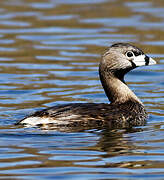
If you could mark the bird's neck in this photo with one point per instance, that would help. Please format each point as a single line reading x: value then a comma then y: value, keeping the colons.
x: 116, y: 89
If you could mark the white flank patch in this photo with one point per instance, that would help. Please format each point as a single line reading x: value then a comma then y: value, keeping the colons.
x: 70, y: 117
x: 36, y: 120
x: 33, y: 121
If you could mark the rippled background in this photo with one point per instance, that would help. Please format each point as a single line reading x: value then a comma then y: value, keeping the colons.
x: 49, y: 54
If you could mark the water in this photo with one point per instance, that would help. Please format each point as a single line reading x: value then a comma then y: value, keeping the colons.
x: 49, y: 54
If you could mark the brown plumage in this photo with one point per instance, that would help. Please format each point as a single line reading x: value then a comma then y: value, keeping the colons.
x: 125, y: 108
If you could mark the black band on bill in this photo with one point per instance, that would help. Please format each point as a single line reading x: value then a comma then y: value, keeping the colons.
x: 147, y: 60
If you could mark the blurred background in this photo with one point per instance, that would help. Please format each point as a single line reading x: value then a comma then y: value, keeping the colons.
x: 49, y: 54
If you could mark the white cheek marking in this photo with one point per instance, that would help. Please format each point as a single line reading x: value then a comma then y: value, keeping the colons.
x: 139, y: 60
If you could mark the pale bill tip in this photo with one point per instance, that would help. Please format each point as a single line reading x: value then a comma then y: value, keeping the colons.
x: 152, y: 61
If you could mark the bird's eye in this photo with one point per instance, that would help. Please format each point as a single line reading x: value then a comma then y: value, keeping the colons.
x: 129, y: 54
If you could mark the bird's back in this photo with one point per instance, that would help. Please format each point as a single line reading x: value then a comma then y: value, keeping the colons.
x: 90, y: 114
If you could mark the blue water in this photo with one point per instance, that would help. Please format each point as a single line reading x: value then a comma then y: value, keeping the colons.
x: 49, y: 54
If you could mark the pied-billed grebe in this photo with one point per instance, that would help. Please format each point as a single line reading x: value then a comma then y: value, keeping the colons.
x: 125, y: 108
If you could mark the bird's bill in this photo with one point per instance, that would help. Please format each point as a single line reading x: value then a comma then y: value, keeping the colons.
x: 143, y: 60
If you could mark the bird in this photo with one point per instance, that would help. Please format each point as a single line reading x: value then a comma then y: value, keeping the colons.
x: 124, y: 108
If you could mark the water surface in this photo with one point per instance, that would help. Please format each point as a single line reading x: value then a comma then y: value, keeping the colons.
x: 49, y: 54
